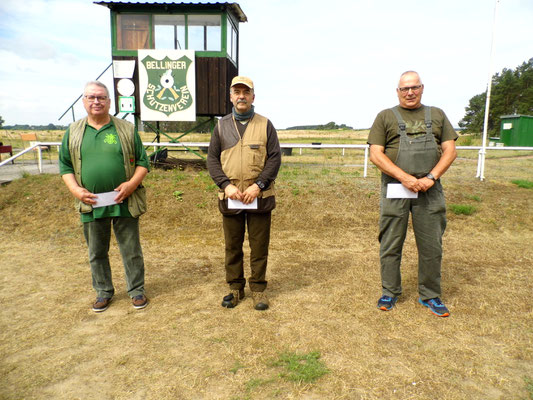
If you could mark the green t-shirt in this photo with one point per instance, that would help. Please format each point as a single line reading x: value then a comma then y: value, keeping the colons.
x: 102, y: 166
x: 385, y: 132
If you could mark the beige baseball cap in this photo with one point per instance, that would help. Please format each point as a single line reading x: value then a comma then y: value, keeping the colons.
x: 243, y: 80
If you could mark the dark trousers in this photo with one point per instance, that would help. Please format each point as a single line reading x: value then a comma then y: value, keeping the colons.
x: 98, y: 234
x: 258, y: 238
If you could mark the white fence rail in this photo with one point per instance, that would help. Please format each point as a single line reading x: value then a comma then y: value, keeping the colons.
x: 204, y: 145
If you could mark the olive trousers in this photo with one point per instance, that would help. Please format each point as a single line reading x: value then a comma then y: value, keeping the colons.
x: 429, y: 222
x: 97, y: 235
x: 259, y: 240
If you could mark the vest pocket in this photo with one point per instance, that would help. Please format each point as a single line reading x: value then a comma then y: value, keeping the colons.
x: 255, y: 160
x: 137, y: 202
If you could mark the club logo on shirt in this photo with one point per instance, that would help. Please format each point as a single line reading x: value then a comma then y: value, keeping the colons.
x: 415, y: 128
x: 110, y: 139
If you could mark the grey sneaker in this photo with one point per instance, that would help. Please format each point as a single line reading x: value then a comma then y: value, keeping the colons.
x: 101, y: 304
x: 233, y: 298
x: 139, y: 301
x: 260, y: 300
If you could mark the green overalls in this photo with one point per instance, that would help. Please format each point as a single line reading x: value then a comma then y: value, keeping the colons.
x: 416, y: 156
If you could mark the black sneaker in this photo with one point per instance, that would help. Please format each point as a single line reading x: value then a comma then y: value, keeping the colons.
x: 436, y: 306
x: 233, y: 298
x: 386, y: 303
x: 101, y: 304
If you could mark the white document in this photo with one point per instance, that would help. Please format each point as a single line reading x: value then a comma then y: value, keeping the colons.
x: 239, y: 205
x: 123, y: 68
x: 105, y: 199
x: 399, y: 191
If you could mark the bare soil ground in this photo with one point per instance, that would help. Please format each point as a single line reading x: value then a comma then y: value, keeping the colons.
x: 323, y: 285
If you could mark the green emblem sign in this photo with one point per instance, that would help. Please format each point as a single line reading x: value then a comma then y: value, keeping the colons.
x: 165, y: 83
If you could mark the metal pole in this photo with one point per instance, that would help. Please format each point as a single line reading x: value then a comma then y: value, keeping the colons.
x: 482, y: 152
x: 365, y: 170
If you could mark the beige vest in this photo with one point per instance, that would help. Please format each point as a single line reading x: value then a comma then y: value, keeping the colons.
x: 125, y: 131
x: 243, y: 162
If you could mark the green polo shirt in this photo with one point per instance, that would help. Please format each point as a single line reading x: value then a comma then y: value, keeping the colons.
x: 102, y: 166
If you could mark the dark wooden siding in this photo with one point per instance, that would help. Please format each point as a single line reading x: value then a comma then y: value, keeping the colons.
x: 213, y: 78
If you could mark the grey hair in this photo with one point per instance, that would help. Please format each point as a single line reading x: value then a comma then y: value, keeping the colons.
x: 411, y: 72
x: 96, y: 83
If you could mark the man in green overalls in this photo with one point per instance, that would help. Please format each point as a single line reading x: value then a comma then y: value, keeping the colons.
x: 103, y: 154
x: 412, y: 145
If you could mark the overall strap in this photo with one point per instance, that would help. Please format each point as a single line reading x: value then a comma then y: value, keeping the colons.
x: 401, y: 122
x: 427, y: 117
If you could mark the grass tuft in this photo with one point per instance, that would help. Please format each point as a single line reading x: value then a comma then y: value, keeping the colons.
x: 529, y: 387
x: 523, y: 183
x: 301, y: 367
x: 462, y: 209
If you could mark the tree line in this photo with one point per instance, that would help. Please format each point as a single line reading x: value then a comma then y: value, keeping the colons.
x: 326, y: 127
x: 512, y: 93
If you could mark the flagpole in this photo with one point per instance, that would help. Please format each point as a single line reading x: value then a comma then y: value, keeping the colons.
x: 483, y: 151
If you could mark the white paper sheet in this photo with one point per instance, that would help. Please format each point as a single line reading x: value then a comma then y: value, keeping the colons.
x: 123, y: 68
x: 399, y: 191
x: 105, y: 199
x: 239, y: 205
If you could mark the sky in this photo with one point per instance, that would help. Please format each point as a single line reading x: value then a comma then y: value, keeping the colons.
x: 312, y: 62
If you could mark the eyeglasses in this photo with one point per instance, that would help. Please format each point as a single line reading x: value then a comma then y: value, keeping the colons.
x: 92, y: 99
x: 406, y: 89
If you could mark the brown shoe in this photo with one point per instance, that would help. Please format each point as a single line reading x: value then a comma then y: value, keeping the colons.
x: 139, y: 301
x: 101, y: 304
x: 260, y: 300
x: 233, y: 298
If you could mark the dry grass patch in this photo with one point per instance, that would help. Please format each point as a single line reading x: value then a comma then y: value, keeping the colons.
x: 323, y: 286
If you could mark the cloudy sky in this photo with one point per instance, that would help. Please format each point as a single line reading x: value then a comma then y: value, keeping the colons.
x: 312, y: 61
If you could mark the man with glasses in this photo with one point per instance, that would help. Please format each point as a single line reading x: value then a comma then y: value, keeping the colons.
x: 412, y: 145
x: 243, y: 159
x: 103, y: 162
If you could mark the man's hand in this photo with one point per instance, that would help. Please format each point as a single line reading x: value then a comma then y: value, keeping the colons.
x: 232, y: 192
x: 78, y: 191
x: 84, y: 195
x: 125, y: 189
x: 411, y: 183
x: 425, y: 184
x: 251, y: 193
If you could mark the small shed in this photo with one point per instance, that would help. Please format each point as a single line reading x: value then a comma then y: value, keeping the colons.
x: 516, y: 130
x: 210, y: 29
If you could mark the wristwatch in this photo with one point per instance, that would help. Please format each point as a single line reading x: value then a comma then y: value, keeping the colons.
x: 261, y: 184
x: 430, y: 176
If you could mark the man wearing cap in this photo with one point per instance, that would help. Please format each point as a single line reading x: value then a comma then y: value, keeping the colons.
x: 243, y: 160
x: 412, y: 145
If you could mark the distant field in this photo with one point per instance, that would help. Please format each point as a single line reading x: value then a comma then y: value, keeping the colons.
x: 323, y: 337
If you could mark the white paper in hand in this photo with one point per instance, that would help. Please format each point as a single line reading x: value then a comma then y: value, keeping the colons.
x: 105, y: 199
x: 239, y: 205
x: 399, y: 191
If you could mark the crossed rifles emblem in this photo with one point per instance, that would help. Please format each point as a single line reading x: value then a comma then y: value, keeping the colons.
x: 167, y: 81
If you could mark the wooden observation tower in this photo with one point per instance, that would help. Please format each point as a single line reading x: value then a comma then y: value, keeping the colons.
x: 174, y: 61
